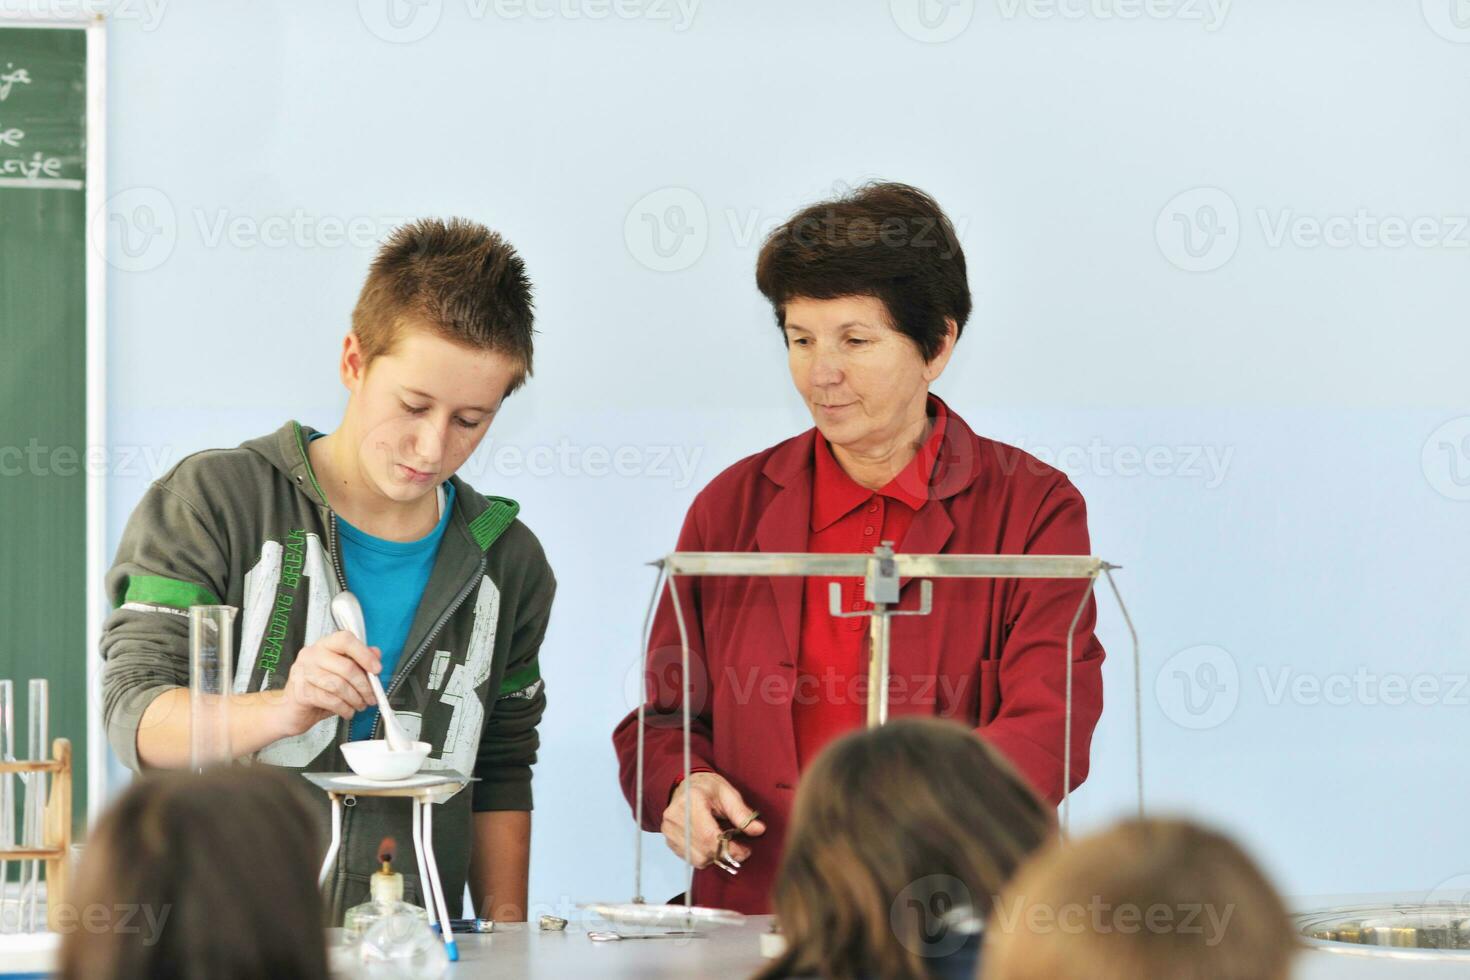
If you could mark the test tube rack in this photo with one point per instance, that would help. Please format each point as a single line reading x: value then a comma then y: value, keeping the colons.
x: 55, y: 848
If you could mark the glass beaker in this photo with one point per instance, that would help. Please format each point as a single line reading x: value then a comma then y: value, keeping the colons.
x: 211, y: 681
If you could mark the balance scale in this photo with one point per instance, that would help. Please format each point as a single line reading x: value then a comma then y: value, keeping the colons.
x: 1398, y: 932
x: 883, y: 572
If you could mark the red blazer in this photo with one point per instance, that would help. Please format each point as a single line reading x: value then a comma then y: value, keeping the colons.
x: 991, y: 654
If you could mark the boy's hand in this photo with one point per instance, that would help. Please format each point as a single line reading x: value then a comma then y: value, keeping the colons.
x: 328, y: 678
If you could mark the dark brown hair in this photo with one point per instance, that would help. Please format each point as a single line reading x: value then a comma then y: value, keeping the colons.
x: 200, y: 875
x: 886, y: 240
x: 1197, y: 908
x: 456, y: 277
x: 892, y: 826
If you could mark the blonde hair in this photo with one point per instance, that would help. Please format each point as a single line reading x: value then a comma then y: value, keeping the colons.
x: 1148, y: 898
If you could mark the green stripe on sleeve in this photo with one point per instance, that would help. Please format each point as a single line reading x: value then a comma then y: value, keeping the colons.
x: 159, y: 591
x: 521, y: 679
x: 493, y: 522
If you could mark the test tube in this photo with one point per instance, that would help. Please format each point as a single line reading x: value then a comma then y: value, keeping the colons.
x: 38, y: 721
x: 211, y: 680
x: 7, y: 794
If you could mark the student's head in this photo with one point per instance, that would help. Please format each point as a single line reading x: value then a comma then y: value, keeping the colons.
x: 891, y: 828
x: 441, y: 334
x: 199, y: 875
x: 1149, y: 898
x: 871, y: 295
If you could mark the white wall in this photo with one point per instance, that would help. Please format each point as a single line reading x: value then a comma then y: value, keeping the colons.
x: 1326, y: 538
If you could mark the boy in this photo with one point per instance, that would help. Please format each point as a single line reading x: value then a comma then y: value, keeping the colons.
x: 455, y: 591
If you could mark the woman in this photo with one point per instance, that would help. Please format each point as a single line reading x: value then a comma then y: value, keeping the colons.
x: 900, y: 840
x: 1148, y: 898
x: 200, y: 875
x: 870, y: 295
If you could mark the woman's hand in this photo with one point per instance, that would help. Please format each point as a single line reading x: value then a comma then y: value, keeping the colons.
x: 711, y: 798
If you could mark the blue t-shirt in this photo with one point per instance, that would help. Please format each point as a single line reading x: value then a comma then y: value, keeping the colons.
x: 388, y: 578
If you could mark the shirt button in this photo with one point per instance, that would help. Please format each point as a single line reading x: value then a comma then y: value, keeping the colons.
x: 867, y: 532
x: 873, y: 507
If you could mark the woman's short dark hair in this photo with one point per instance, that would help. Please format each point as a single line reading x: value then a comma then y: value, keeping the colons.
x: 885, y: 240
x: 200, y: 875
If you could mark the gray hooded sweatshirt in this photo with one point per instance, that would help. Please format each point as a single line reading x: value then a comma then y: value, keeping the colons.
x: 250, y: 527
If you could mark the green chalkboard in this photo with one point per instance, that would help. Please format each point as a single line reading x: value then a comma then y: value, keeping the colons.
x: 43, y: 378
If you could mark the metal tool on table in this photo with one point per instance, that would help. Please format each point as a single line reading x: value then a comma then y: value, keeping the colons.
x: 883, y: 572
x: 347, y: 611
x: 600, y: 936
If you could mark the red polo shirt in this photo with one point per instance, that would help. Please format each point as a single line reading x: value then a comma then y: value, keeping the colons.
x: 846, y: 517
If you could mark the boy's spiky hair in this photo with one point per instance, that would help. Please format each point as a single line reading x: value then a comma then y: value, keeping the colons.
x: 456, y: 277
